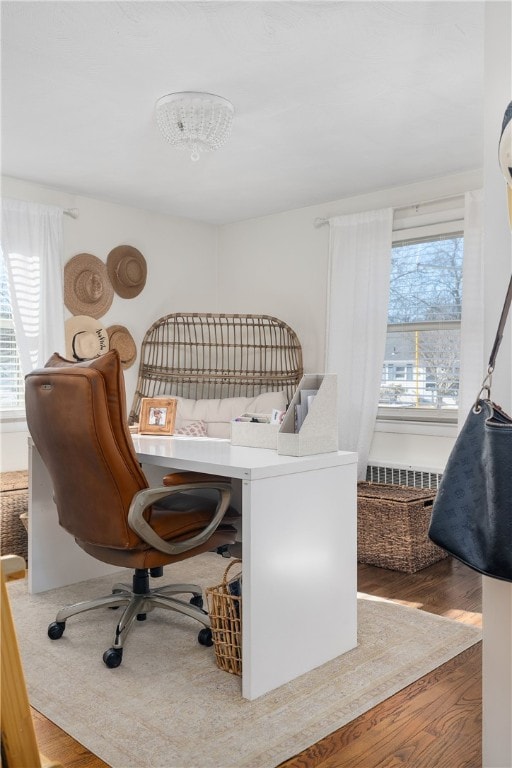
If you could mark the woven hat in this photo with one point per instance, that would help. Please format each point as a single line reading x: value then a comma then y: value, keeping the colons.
x: 505, y: 154
x: 121, y: 339
x: 127, y: 270
x: 87, y: 288
x: 85, y: 338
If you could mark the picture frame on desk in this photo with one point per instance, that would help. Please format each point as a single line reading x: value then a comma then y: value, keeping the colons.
x: 157, y: 416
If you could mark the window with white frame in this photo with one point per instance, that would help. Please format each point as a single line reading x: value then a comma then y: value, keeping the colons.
x: 420, y: 374
x: 12, y: 385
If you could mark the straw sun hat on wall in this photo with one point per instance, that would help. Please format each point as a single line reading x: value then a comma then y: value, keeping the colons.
x: 121, y: 339
x: 86, y: 338
x: 127, y: 270
x: 87, y: 288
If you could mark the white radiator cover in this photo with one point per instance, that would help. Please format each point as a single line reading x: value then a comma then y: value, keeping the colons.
x: 415, y: 477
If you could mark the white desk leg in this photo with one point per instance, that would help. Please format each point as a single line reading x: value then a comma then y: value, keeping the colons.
x: 299, y: 574
x: 54, y: 559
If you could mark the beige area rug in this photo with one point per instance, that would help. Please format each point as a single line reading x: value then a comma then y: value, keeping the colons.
x: 169, y: 706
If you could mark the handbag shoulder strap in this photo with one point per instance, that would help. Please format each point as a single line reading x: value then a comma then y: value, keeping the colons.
x: 501, y: 327
x: 486, y: 384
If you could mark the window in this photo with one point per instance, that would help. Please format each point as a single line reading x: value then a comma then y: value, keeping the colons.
x: 12, y: 385
x: 420, y: 375
x: 31, y: 250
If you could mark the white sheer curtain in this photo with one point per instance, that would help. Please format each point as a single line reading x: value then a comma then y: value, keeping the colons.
x: 359, y: 272
x: 32, y: 249
x: 472, y: 358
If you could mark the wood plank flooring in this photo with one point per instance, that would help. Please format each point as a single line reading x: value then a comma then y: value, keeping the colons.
x: 433, y: 723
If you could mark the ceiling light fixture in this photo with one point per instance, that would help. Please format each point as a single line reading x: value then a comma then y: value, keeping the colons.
x: 199, y: 122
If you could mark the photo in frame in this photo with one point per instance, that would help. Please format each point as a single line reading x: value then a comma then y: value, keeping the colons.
x: 157, y: 416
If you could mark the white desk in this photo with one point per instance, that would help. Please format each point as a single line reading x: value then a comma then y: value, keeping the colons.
x: 299, y: 550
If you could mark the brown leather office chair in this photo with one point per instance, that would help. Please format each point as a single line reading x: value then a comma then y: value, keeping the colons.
x: 76, y: 414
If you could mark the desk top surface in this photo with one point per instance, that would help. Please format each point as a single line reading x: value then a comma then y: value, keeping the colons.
x: 218, y: 456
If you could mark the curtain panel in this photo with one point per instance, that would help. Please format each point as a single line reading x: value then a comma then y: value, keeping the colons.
x: 472, y: 355
x: 357, y: 309
x: 32, y: 249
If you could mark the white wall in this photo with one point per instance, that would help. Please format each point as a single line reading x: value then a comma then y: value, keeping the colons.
x: 278, y: 265
x: 274, y: 265
x: 182, y: 271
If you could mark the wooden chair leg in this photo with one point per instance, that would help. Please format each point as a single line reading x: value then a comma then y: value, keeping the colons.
x: 19, y: 744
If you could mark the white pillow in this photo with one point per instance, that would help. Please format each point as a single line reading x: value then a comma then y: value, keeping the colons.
x: 219, y: 413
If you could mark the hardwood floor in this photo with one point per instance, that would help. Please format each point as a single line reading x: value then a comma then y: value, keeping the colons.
x: 433, y: 723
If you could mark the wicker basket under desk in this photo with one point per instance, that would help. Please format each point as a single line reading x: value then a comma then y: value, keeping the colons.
x: 225, y: 609
x: 392, y: 527
x: 13, y: 503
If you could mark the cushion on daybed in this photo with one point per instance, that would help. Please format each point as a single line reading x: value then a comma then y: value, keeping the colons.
x: 194, y: 429
x: 218, y: 414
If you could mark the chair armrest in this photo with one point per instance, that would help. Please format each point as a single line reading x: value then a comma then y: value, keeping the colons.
x: 148, y: 496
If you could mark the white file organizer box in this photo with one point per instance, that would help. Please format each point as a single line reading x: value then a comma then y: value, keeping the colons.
x: 254, y: 435
x: 319, y: 431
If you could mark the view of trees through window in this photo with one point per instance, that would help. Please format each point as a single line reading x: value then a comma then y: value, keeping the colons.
x: 421, y: 363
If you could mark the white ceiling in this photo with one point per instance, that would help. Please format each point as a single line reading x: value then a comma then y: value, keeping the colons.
x: 332, y: 99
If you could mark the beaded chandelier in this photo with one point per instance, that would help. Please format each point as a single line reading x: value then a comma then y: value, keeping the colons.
x: 198, y: 122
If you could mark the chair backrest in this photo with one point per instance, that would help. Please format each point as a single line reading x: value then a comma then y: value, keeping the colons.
x: 76, y: 415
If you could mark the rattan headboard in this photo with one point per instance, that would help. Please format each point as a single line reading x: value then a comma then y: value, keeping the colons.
x: 212, y: 355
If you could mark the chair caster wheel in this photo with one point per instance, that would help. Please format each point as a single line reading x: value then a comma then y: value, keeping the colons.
x: 205, y: 637
x: 113, y: 657
x: 224, y: 550
x: 56, y: 629
x: 196, y: 600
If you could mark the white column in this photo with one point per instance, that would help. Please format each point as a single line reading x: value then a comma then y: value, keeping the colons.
x: 497, y: 595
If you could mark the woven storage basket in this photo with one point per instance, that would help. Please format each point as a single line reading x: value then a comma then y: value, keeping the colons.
x: 225, y: 609
x: 13, y: 503
x: 392, y: 527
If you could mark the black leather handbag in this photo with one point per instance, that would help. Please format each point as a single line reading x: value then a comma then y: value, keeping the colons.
x: 472, y: 513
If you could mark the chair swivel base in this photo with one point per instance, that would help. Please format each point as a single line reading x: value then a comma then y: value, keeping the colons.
x: 139, y: 600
